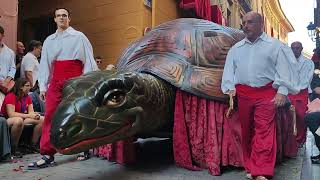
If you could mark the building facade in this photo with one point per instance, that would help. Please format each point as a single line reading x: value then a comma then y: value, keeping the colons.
x: 276, y: 23
x: 111, y: 25
x: 8, y: 20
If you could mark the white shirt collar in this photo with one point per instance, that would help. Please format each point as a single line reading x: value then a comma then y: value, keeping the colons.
x: 263, y: 37
x: 32, y: 55
x: 68, y: 31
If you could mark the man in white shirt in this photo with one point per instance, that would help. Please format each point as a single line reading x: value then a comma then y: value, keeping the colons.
x: 259, y: 70
x: 65, y: 54
x: 305, y: 68
x: 30, y: 70
x: 7, y: 67
x: 30, y: 64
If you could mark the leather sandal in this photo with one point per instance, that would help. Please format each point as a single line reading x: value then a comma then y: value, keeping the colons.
x: 42, y: 163
x: 84, y: 156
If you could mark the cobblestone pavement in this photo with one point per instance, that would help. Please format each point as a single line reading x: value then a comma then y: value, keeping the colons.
x: 155, y: 162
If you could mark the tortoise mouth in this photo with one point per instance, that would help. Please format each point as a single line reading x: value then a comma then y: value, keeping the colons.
x: 91, y: 143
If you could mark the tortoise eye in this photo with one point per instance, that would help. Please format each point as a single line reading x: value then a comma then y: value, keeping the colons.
x: 114, y: 98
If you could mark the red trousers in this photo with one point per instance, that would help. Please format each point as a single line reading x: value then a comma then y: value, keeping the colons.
x: 258, y: 126
x: 300, y: 101
x: 63, y: 70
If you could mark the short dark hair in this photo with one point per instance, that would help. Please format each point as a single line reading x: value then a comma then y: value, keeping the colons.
x: 33, y: 44
x: 98, y: 57
x: 69, y: 12
x: 1, y: 30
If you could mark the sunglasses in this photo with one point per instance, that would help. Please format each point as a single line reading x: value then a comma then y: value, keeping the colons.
x: 99, y: 62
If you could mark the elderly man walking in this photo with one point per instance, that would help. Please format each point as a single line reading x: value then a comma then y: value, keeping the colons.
x: 305, y: 68
x: 259, y: 70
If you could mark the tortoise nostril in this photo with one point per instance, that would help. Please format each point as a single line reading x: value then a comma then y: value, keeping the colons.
x: 74, y: 130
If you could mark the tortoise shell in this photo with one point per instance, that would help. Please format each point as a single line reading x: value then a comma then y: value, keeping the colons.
x: 188, y: 53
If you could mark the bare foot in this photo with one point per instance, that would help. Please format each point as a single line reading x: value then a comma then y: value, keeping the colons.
x: 261, y: 178
x: 249, y: 176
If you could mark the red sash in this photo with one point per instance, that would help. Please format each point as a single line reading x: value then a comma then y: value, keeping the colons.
x: 266, y: 91
x: 66, y: 69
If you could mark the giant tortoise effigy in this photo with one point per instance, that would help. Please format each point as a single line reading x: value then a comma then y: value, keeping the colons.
x: 138, y: 98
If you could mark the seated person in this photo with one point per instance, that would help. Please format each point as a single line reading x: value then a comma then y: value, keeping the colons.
x: 313, y: 122
x: 17, y: 108
x: 315, y: 86
x: 5, y: 147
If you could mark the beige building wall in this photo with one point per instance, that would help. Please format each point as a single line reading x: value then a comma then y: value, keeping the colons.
x: 9, y: 20
x: 276, y: 23
x: 164, y: 10
x: 110, y: 25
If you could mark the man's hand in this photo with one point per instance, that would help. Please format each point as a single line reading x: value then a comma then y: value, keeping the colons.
x: 42, y: 96
x: 34, y: 115
x: 279, y: 100
x: 8, y: 79
x: 317, y: 90
x: 232, y: 93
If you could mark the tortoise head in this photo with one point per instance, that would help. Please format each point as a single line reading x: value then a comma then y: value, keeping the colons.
x: 97, y: 108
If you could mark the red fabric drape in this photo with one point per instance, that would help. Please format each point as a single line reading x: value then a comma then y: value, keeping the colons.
x: 187, y: 4
x: 202, y: 7
x: 122, y: 152
x: 202, y: 136
x: 216, y: 14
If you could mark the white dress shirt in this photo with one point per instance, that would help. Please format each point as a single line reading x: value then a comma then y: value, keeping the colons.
x: 259, y: 63
x: 67, y: 45
x: 7, y: 63
x: 30, y: 63
x: 305, y: 69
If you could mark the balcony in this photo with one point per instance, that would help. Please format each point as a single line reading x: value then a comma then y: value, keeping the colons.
x: 246, y: 5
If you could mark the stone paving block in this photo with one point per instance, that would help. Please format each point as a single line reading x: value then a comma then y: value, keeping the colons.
x: 151, y: 167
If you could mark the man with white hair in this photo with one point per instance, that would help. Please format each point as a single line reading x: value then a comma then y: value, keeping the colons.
x: 305, y: 71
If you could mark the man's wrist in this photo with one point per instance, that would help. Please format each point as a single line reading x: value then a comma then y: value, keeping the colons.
x: 8, y: 79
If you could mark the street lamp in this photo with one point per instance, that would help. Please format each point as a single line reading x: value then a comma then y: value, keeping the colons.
x: 313, y: 32
x: 312, y: 28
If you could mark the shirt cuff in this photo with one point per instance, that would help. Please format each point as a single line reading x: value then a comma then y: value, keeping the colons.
x: 283, y: 90
x: 226, y: 90
x: 11, y: 74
